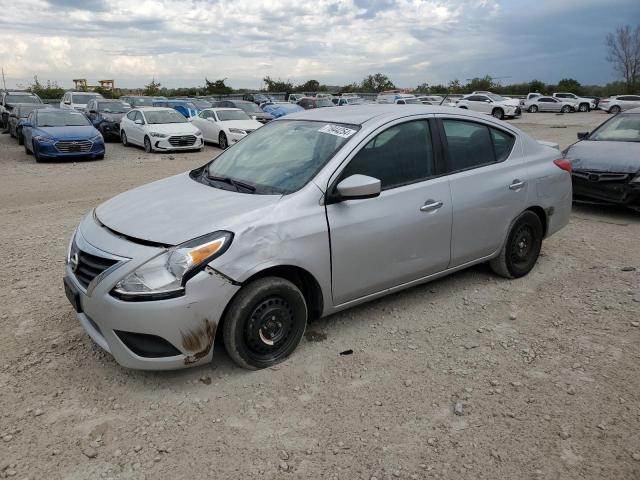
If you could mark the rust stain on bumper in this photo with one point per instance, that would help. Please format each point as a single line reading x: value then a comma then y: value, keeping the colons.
x: 199, y: 341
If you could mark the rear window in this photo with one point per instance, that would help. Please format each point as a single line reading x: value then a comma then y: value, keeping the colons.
x: 472, y: 145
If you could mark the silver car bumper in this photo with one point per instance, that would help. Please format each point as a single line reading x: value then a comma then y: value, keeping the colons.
x: 150, y: 335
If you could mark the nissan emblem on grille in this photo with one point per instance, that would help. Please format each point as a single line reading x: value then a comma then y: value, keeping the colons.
x: 74, y: 262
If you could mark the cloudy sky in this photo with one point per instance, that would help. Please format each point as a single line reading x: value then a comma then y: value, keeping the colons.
x: 179, y: 42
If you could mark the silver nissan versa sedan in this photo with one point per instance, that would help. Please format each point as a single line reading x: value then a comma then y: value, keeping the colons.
x: 311, y: 214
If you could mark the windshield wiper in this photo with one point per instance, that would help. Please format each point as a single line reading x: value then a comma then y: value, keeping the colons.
x: 237, y: 184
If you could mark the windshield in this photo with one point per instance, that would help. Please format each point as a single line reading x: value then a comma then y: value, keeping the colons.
x: 283, y: 166
x: 61, y: 119
x: 201, y: 104
x: 113, y: 107
x: 324, y: 102
x: 24, y: 110
x: 249, y: 107
x: 22, y: 99
x: 142, y: 102
x: 496, y: 98
x: 164, y: 116
x: 225, y: 115
x: 412, y: 100
x: 82, y: 98
x: 622, y: 128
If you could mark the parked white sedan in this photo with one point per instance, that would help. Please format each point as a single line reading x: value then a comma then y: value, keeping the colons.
x: 159, y: 129
x: 224, y: 126
x: 495, y: 105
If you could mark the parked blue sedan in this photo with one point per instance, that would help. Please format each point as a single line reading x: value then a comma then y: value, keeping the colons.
x: 51, y: 133
x: 280, y: 109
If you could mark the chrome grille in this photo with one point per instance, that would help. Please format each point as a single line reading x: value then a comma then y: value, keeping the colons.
x: 86, y: 267
x: 74, y: 146
x: 601, y: 176
x: 182, y: 140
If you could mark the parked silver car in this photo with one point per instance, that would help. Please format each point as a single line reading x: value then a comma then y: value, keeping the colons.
x: 619, y: 103
x: 349, y: 204
x: 547, y: 104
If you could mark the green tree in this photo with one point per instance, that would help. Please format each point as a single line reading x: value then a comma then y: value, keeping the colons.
x: 217, y: 87
x: 49, y: 90
x: 569, y: 85
x: 537, y: 86
x: 422, y: 88
x: 455, y: 86
x: 486, y: 83
x: 152, y: 88
x: 106, y: 92
x: 277, y: 85
x: 309, y: 86
x: 377, y: 82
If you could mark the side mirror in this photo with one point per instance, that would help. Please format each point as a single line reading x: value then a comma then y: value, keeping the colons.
x: 487, y: 101
x: 138, y: 122
x: 358, y: 187
x: 583, y: 135
x: 93, y: 111
x: 67, y: 102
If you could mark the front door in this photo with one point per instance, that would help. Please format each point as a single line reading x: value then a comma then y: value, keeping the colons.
x: 402, y: 235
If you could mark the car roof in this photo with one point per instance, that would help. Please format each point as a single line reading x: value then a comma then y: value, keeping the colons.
x: 152, y: 109
x: 58, y: 110
x: 361, y: 114
x: 13, y: 92
x: 225, y: 109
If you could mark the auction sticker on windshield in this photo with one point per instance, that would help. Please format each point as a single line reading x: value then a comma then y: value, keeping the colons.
x: 337, y: 130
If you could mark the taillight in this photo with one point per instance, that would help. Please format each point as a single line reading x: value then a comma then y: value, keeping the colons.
x: 563, y: 164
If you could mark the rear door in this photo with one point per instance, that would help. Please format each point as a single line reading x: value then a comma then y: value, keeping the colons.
x: 401, y: 235
x: 488, y: 185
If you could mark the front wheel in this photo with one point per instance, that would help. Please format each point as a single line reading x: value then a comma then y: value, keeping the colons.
x: 264, y: 323
x: 222, y: 141
x: 36, y: 155
x: 533, y: 109
x: 20, y: 137
x: 520, y: 252
x: 147, y: 145
x: 123, y: 137
x: 583, y: 107
x: 498, y: 113
x: 565, y: 109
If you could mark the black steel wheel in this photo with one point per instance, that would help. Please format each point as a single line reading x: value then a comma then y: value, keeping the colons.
x: 264, y: 322
x: 522, y: 248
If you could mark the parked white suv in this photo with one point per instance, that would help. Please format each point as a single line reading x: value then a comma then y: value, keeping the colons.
x: 491, y: 104
x: 159, y: 129
x: 77, y: 100
x: 580, y: 104
x: 619, y: 103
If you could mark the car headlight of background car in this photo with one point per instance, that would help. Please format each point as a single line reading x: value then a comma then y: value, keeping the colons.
x: 165, y: 275
x: 43, y: 139
x: 636, y: 179
x: 238, y: 131
x: 97, y: 139
x: 158, y: 134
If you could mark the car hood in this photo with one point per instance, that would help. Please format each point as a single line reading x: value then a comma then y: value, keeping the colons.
x: 511, y: 101
x: 172, y: 128
x: 177, y: 209
x: 61, y: 133
x: 264, y: 115
x: 616, y: 157
x: 112, y: 117
x: 242, y: 124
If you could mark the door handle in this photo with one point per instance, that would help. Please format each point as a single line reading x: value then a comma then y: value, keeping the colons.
x: 430, y: 206
x: 517, y: 184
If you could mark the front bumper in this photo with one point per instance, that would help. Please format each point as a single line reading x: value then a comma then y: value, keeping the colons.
x: 235, y: 137
x: 110, y: 129
x: 604, y: 187
x: 512, y: 111
x: 164, y: 144
x: 187, y: 323
x: 49, y: 150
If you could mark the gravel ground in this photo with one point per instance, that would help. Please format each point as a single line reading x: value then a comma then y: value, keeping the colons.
x: 468, y: 377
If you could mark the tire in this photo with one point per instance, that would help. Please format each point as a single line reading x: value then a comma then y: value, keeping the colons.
x: 533, y: 109
x: 497, y: 113
x: 615, y: 109
x: 565, y: 109
x: 5, y: 121
x: 100, y: 157
x: 123, y: 137
x: 521, y: 249
x: 20, y: 137
x: 26, y: 149
x: 147, y: 145
x: 11, y: 134
x: 36, y: 155
x: 222, y: 141
x: 583, y: 107
x: 264, y: 323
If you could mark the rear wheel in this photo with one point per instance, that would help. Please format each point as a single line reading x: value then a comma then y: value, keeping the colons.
x: 222, y: 141
x: 533, y: 109
x: 123, y: 137
x: 498, y: 113
x: 147, y: 145
x: 565, y: 109
x: 615, y: 110
x: 264, y: 323
x: 522, y: 248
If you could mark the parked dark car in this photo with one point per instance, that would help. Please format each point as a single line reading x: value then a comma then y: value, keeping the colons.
x: 18, y: 116
x: 314, y: 102
x: 106, y: 114
x: 606, y: 162
x: 9, y: 99
x: 250, y: 109
x: 257, y: 98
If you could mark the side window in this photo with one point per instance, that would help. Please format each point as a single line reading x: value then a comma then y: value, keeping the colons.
x: 624, y: 98
x: 131, y: 115
x: 400, y: 155
x: 472, y: 145
x: 139, y: 116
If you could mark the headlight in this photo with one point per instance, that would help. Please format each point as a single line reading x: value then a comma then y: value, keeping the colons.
x: 165, y: 275
x: 41, y: 139
x: 237, y: 130
x: 158, y: 134
x: 97, y: 138
x: 636, y: 179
